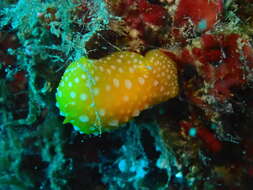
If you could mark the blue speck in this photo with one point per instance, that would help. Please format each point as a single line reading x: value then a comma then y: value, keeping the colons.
x: 213, y: 126
x: 192, y: 132
x: 179, y: 175
x: 76, y: 128
x: 149, y: 68
x: 202, y: 25
x: 122, y: 165
x: 139, y: 168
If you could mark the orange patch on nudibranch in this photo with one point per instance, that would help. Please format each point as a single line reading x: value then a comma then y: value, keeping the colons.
x: 98, y: 95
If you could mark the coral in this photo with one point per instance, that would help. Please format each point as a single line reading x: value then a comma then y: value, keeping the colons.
x: 202, y: 13
x: 99, y: 95
x: 142, y: 159
x: 44, y: 159
x: 203, y: 133
x: 149, y: 13
x: 199, y: 139
x: 145, y: 22
x: 194, y: 18
x: 219, y: 63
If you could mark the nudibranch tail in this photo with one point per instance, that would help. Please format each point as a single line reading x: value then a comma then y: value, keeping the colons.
x: 99, y: 95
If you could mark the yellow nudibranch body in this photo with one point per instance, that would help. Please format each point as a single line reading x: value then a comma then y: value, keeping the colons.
x: 99, y: 95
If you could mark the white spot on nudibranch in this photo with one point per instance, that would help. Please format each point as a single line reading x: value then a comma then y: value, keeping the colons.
x: 128, y: 84
x: 62, y: 83
x: 125, y: 98
x: 108, y: 87
x: 83, y: 96
x: 136, y: 113
x: 96, y: 91
x: 102, y: 112
x: 113, y: 122
x: 141, y: 80
x: 101, y: 68
x: 156, y: 83
x: 76, y: 128
x: 121, y: 70
x: 116, y: 82
x: 113, y: 67
x: 131, y: 69
x: 77, y: 80
x: 59, y: 93
x: 72, y: 94
x: 109, y: 71
x: 84, y: 118
x: 96, y: 78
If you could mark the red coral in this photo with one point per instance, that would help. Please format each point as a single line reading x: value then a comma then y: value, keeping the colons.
x: 151, y: 13
x: 140, y: 13
x: 206, y: 136
x: 218, y: 61
x: 187, y: 56
x: 198, y: 11
x: 248, y: 54
x: 222, y: 51
x: 209, y: 41
x: 210, y: 140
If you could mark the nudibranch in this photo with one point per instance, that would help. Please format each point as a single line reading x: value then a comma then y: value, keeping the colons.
x: 99, y: 95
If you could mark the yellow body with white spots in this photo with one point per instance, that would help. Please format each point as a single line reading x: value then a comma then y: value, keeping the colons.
x: 99, y: 95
